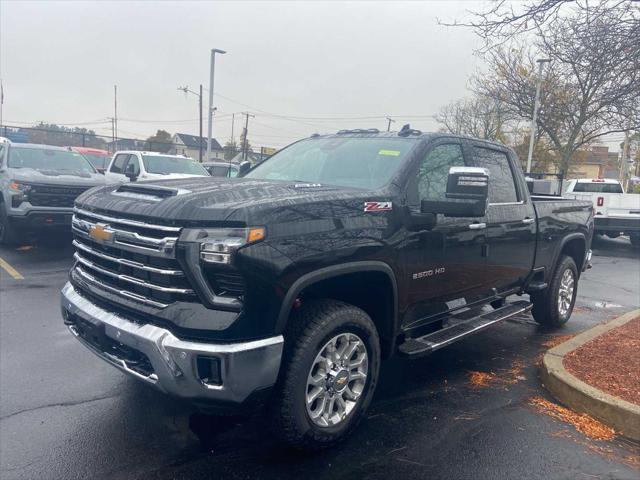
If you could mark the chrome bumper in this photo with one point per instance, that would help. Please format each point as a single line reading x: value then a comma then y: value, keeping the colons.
x: 244, y: 367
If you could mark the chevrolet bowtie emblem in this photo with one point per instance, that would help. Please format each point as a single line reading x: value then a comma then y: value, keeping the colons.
x: 100, y: 233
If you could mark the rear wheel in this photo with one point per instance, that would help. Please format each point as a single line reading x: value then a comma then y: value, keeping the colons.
x: 329, y: 372
x: 8, y: 233
x: 553, y: 306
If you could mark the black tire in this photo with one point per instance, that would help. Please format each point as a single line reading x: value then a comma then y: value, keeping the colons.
x: 311, y: 327
x: 8, y: 233
x: 546, y: 310
x: 635, y: 239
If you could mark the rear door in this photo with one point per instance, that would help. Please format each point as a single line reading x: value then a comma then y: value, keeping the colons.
x: 511, y: 219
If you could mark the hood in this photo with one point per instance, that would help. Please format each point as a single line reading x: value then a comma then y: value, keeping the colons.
x: 213, y: 200
x: 55, y: 177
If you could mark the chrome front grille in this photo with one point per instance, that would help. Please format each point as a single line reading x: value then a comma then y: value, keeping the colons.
x: 132, y: 259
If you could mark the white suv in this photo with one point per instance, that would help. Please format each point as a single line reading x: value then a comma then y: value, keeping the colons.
x: 132, y: 165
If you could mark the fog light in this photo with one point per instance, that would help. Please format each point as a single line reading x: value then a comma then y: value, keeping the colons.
x: 209, y: 370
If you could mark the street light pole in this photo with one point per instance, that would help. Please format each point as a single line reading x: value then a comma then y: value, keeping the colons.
x: 534, y: 118
x: 210, y: 111
x: 199, y: 95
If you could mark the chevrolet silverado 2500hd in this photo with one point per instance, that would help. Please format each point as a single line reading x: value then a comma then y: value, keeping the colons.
x: 288, y: 286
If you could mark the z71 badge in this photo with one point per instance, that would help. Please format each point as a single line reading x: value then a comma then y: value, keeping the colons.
x: 377, y: 206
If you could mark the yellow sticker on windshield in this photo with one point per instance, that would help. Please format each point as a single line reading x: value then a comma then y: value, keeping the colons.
x: 389, y: 153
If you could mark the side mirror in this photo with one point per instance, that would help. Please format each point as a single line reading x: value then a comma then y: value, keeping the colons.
x: 130, y: 172
x: 467, y: 194
x: 243, y: 168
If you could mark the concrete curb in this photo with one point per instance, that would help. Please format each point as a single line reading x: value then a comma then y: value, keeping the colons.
x: 623, y: 416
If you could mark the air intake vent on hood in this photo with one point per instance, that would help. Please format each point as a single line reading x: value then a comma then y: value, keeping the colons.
x: 150, y: 190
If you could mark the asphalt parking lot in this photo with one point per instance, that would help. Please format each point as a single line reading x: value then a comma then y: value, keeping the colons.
x: 65, y: 414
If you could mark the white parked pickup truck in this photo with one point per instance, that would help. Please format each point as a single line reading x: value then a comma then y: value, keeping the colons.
x: 616, y: 212
x: 133, y: 165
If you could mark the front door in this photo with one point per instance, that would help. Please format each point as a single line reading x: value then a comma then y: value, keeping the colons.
x: 115, y: 173
x: 444, y: 265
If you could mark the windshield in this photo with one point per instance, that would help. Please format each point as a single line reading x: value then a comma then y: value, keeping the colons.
x: 165, y: 165
x: 342, y: 161
x: 598, y: 187
x: 48, y: 159
x: 98, y: 161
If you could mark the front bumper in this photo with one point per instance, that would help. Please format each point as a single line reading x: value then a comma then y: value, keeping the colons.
x: 155, y: 356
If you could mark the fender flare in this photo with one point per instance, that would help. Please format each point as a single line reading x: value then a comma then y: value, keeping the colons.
x: 563, y: 243
x: 334, y: 271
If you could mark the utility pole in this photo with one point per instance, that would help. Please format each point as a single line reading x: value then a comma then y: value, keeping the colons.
x: 115, y: 115
x: 624, y: 166
x: 246, y: 133
x: 534, y: 118
x: 1, y: 100
x: 186, y: 90
x: 113, y: 133
x: 389, y: 123
x: 210, y: 111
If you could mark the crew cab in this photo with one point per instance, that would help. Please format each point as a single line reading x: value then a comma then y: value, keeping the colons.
x: 288, y: 286
x: 38, y: 185
x: 133, y: 165
x: 616, y: 212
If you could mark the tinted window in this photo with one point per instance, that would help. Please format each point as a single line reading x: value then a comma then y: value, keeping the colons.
x: 434, y: 171
x: 118, y: 163
x: 502, y: 188
x: 597, y: 187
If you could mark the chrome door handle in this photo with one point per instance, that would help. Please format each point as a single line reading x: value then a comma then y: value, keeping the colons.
x: 477, y: 226
x: 528, y: 221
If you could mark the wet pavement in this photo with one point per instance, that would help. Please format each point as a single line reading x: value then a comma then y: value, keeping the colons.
x: 65, y: 414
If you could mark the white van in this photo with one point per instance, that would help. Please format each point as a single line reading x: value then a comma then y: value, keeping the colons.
x: 132, y: 165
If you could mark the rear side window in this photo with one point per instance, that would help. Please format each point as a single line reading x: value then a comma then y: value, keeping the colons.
x: 598, y: 187
x: 118, y: 163
x: 502, y: 188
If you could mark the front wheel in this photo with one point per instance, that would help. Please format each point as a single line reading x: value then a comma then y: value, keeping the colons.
x: 329, y: 373
x: 8, y: 232
x: 553, y: 306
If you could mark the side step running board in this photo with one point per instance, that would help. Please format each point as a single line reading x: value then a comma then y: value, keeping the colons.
x: 436, y: 340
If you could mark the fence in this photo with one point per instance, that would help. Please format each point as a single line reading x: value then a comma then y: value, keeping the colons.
x: 81, y: 138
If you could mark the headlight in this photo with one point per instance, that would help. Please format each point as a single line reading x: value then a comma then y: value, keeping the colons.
x: 19, y: 187
x: 220, y: 243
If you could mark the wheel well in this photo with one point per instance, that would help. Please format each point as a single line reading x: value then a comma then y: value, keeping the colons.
x: 372, y: 291
x: 576, y: 249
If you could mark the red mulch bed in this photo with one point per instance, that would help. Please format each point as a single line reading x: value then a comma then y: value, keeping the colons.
x: 611, y: 362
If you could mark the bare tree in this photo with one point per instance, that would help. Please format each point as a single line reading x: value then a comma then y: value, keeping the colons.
x: 478, y: 117
x: 505, y: 20
x: 590, y: 88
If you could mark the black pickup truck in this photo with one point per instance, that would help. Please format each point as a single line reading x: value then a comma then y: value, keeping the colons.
x: 286, y: 288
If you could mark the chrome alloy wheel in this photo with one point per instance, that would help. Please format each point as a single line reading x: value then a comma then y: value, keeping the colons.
x: 336, y: 380
x: 565, y: 293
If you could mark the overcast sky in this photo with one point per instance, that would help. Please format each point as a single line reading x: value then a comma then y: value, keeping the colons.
x: 323, y: 61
